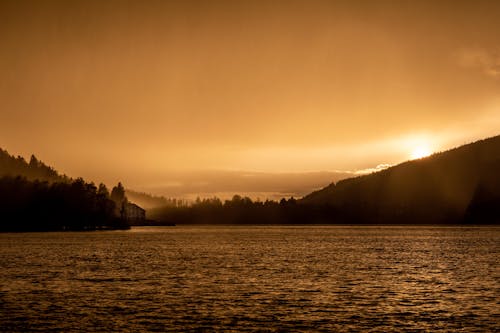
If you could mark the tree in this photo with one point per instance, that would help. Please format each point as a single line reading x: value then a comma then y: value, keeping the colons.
x: 34, y: 163
x: 118, y: 194
x: 103, y: 190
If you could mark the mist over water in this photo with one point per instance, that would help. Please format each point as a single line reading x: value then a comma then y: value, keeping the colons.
x: 252, y: 278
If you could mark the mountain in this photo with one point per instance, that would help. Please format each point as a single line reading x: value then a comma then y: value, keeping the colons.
x: 459, y: 185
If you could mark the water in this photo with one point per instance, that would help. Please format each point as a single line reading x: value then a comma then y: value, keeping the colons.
x: 379, y: 279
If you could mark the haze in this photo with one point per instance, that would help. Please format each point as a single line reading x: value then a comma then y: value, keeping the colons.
x: 167, y: 94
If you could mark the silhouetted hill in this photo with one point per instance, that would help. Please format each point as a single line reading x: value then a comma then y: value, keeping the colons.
x: 34, y: 197
x: 32, y: 170
x: 462, y: 184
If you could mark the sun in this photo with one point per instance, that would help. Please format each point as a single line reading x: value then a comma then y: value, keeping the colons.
x: 420, y: 152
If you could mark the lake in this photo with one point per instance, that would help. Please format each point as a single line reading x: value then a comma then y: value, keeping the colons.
x: 271, y: 279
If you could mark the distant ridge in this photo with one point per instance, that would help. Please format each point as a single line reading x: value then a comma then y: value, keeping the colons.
x: 458, y: 185
x: 149, y: 201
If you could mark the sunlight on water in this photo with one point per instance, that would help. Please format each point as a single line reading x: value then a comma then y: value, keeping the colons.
x: 252, y: 278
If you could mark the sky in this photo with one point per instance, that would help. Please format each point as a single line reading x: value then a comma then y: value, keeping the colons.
x: 197, y: 97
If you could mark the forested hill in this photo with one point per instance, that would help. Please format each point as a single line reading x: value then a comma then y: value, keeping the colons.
x: 34, y: 197
x: 462, y: 184
x: 32, y: 170
x: 149, y: 201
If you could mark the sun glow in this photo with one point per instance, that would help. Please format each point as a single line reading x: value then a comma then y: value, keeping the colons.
x: 420, y: 152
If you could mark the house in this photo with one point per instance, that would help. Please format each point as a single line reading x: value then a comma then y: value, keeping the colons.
x: 134, y: 213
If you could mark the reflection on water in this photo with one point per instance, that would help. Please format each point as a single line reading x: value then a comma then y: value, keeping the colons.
x: 252, y: 278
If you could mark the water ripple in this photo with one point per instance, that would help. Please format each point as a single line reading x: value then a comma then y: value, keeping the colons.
x: 239, y: 279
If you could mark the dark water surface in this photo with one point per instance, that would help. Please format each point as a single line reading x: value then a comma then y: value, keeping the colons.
x: 380, y: 279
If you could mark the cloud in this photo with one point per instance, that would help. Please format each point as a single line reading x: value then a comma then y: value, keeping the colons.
x: 379, y: 167
x: 488, y: 61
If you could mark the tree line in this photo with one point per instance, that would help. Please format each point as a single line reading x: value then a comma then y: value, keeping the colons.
x: 483, y: 208
x: 42, y: 206
x: 32, y: 170
x: 242, y: 210
x: 35, y: 197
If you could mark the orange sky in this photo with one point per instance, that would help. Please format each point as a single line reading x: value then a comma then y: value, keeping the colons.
x: 159, y: 92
